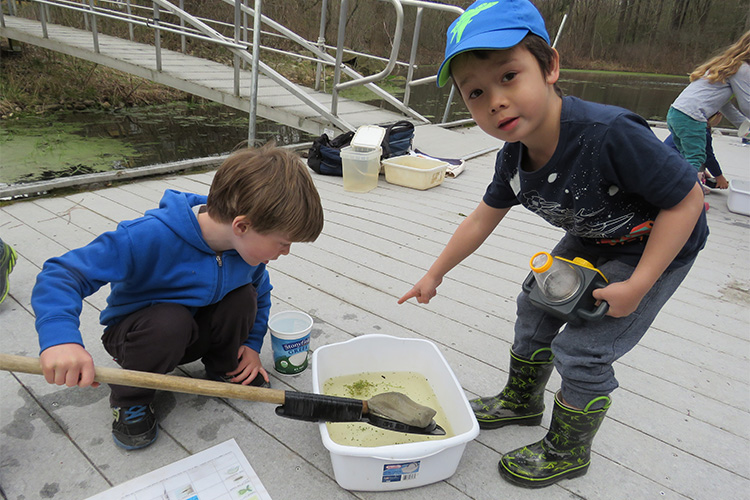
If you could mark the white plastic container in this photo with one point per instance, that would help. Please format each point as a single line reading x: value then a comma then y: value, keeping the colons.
x: 360, y: 169
x: 739, y: 197
x: 367, y: 138
x: 290, y: 341
x: 372, y: 468
x: 414, y: 171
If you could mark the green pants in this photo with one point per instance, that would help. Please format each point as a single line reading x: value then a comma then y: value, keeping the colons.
x: 689, y: 136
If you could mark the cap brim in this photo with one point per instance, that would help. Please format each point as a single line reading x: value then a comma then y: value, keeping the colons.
x: 491, y: 40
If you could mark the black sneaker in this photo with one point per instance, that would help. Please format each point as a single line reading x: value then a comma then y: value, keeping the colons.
x: 7, y: 261
x: 258, y: 381
x: 134, y: 427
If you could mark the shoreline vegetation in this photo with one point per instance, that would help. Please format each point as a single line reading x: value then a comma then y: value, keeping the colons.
x: 667, y: 38
x: 36, y: 81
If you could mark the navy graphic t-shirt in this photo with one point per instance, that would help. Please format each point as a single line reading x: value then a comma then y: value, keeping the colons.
x: 605, y: 183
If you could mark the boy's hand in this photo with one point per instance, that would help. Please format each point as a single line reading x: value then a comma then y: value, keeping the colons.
x: 68, y: 364
x: 424, y: 290
x: 623, y: 298
x: 249, y: 366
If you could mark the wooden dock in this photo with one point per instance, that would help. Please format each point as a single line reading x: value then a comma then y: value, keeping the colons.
x: 678, y: 428
x: 197, y: 76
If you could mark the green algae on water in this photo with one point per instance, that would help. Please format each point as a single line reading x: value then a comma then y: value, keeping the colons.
x: 40, y: 149
x: 359, y: 389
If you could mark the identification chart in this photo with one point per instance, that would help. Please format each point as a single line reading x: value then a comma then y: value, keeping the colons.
x: 218, y: 473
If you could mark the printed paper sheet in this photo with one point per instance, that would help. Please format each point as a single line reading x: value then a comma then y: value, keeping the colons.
x: 218, y: 473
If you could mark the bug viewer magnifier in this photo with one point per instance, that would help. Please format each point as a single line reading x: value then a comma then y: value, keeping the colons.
x: 563, y: 287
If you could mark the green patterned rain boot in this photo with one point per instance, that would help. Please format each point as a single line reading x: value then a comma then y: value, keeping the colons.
x: 7, y: 262
x: 521, y: 402
x: 564, y: 453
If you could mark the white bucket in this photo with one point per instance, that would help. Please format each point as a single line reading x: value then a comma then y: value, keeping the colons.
x: 739, y: 197
x: 744, y: 130
x: 360, y: 169
x: 290, y: 339
x: 400, y: 466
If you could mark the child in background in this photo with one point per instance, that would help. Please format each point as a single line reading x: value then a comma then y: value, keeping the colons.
x: 712, y: 85
x: 589, y: 169
x: 716, y: 178
x: 188, y: 282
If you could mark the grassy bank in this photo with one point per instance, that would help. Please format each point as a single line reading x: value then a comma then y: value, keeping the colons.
x: 34, y: 80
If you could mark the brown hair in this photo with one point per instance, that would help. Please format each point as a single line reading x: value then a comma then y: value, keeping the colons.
x: 537, y: 46
x: 726, y: 64
x: 272, y: 188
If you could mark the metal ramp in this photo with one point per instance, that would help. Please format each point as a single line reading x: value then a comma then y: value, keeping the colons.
x: 269, y: 94
x: 201, y: 77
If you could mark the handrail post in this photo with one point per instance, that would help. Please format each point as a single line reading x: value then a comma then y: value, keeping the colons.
x: 413, y: 54
x: 236, y: 59
x: 321, y: 43
x: 130, y: 24
x: 183, y: 45
x: 448, y: 105
x: 94, y: 32
x: 344, y: 9
x: 245, y: 3
x: 43, y: 18
x: 12, y: 8
x: 254, y: 81
x: 157, y: 37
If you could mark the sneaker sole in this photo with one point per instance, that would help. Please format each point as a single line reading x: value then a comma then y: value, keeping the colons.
x: 134, y: 447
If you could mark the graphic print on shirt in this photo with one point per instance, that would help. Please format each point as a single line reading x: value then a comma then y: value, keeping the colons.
x: 581, y: 222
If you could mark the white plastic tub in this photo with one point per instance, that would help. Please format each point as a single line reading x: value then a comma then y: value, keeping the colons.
x: 414, y: 171
x: 401, y: 466
x: 739, y: 197
x: 360, y: 169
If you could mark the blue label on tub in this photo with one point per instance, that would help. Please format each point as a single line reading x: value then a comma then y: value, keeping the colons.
x: 393, y: 473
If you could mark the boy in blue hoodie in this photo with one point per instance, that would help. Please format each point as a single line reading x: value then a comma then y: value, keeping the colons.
x: 628, y: 204
x: 188, y: 282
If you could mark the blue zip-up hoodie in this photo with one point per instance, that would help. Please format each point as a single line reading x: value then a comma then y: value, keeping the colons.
x: 160, y: 257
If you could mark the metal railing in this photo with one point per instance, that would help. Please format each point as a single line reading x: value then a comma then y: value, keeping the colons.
x: 164, y: 16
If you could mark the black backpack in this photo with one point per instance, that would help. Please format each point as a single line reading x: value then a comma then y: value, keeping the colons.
x: 324, y: 157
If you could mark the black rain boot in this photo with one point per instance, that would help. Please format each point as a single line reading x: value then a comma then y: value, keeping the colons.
x: 564, y: 453
x: 521, y: 402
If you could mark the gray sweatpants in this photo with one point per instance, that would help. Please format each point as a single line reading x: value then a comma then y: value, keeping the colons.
x: 585, y: 350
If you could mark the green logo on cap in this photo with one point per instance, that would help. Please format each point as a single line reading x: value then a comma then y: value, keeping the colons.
x: 466, y: 18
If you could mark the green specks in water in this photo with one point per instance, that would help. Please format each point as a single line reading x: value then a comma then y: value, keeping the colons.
x: 359, y: 389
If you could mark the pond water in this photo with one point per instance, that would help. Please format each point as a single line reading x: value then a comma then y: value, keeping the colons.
x: 69, y: 143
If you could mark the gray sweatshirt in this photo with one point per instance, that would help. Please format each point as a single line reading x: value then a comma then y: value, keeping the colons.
x: 701, y: 99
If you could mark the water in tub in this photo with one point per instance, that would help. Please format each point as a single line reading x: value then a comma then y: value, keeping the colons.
x: 365, y: 386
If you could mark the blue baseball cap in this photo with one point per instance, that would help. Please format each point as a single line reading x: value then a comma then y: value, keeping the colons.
x: 490, y: 24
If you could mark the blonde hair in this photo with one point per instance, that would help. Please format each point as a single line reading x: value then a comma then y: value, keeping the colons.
x: 272, y: 188
x: 726, y: 64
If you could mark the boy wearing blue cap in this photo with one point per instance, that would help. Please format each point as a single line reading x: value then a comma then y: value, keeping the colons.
x: 629, y: 205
